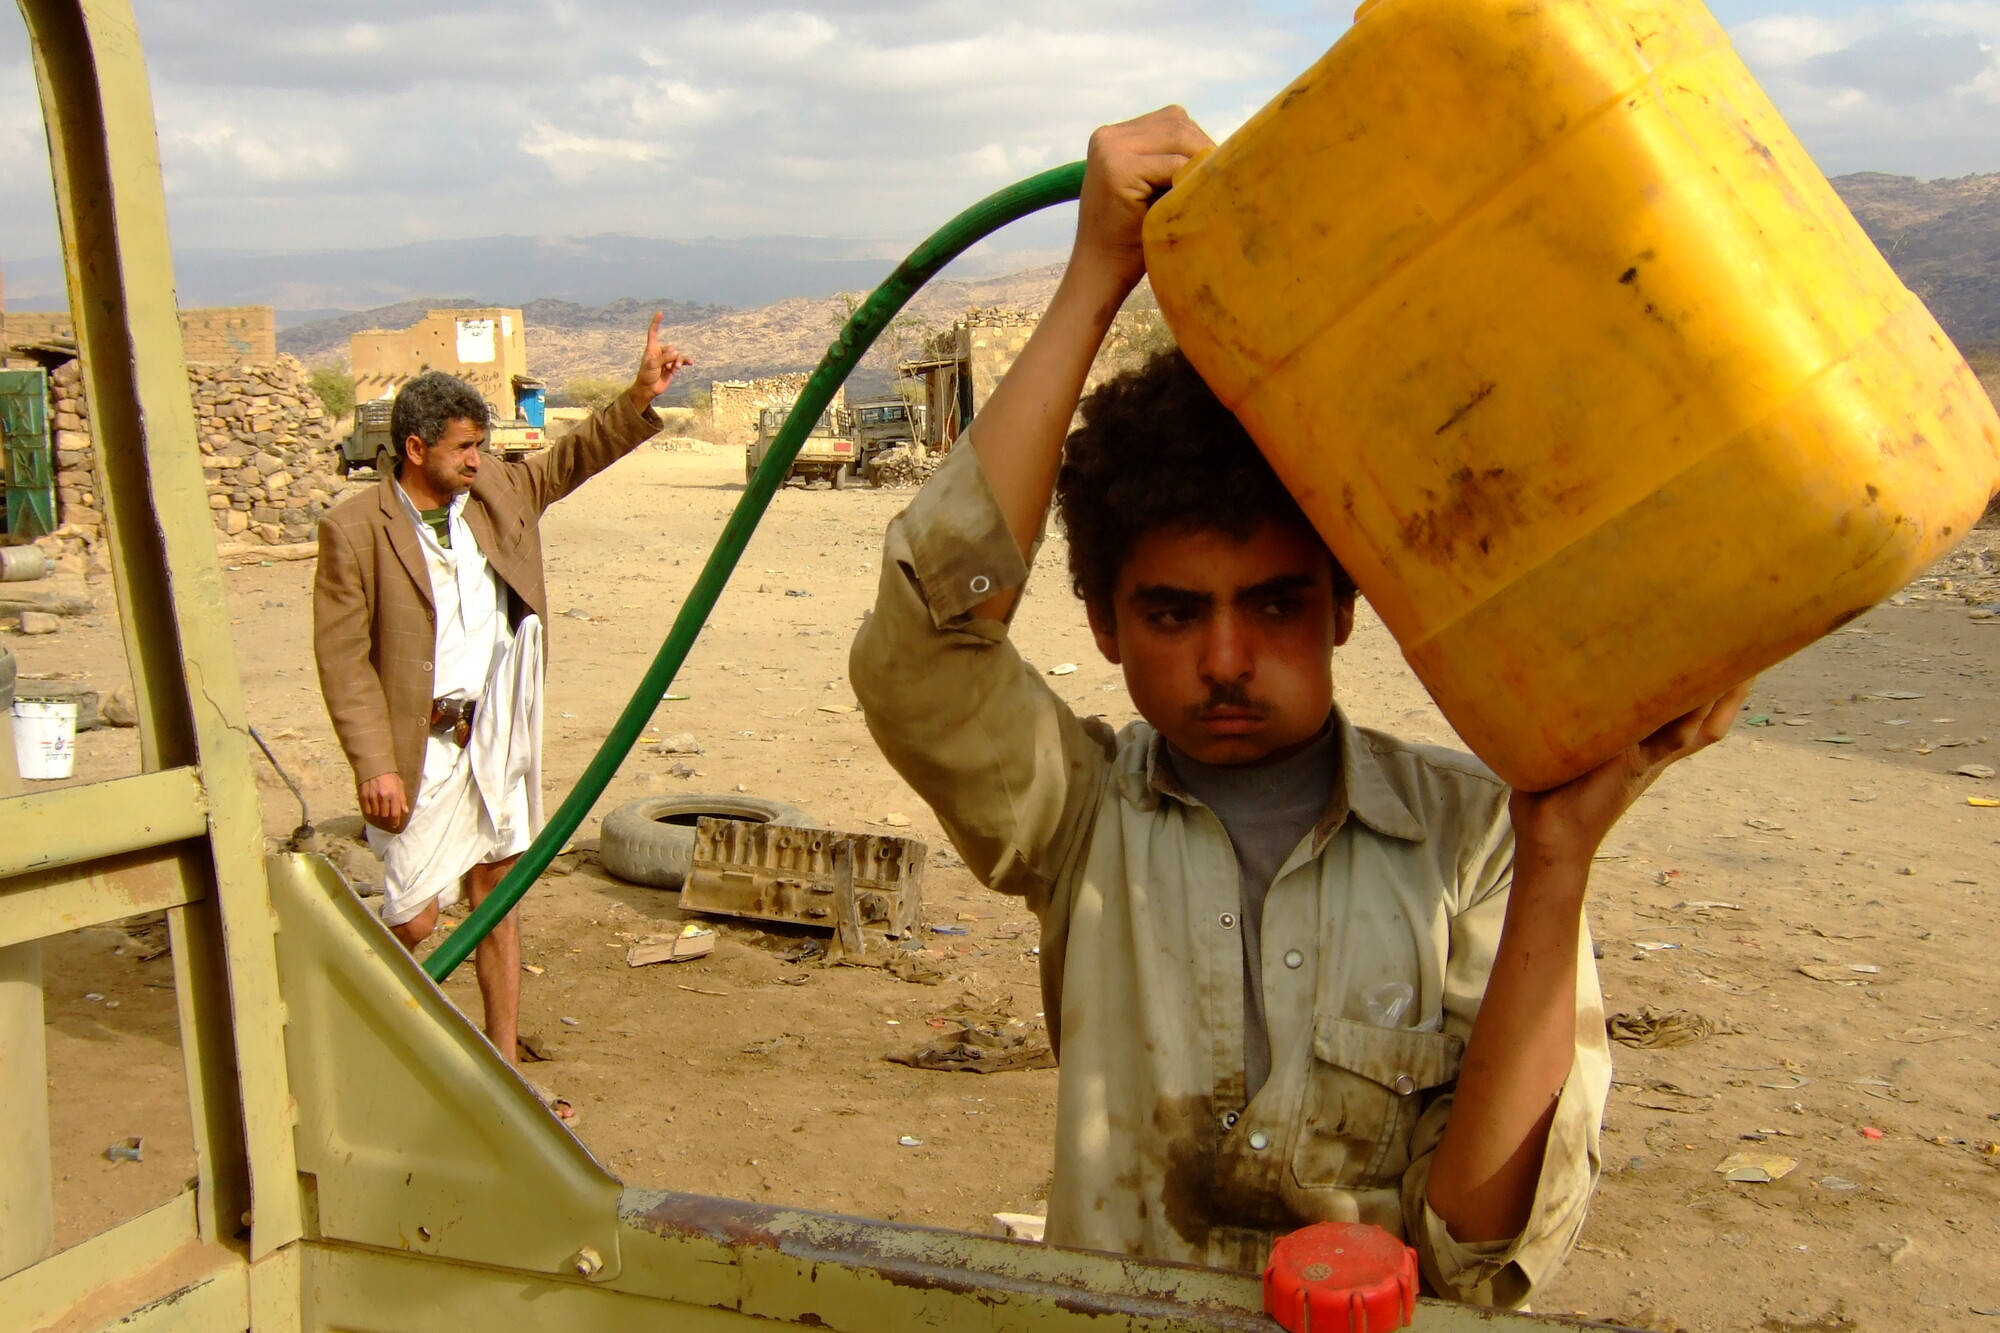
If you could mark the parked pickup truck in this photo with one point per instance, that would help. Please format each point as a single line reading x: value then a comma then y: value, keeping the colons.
x: 884, y: 423
x: 828, y: 452
x: 369, y: 444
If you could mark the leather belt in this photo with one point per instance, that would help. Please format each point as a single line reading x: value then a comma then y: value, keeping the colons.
x: 452, y: 716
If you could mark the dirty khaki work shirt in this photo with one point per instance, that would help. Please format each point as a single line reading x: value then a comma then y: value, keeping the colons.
x: 1403, y: 879
x: 1265, y: 809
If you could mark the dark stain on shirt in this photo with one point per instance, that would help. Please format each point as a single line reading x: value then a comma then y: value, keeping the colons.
x: 1185, y: 1126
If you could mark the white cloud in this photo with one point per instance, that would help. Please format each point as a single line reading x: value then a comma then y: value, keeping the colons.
x: 370, y: 122
x: 339, y: 126
x: 236, y: 149
x: 576, y: 158
x: 1912, y: 89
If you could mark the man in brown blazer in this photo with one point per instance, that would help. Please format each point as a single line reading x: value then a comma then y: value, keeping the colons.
x: 428, y: 615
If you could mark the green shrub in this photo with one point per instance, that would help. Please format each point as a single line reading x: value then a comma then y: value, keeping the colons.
x: 589, y: 391
x: 334, y: 387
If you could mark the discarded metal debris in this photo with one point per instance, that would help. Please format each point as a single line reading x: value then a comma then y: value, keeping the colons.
x: 919, y: 969
x: 983, y: 1050
x: 1656, y: 1027
x: 778, y: 872
x: 805, y: 951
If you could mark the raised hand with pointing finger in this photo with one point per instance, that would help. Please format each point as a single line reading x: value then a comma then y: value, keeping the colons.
x: 657, y: 366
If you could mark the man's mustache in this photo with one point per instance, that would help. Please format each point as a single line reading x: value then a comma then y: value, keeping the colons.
x: 1230, y: 695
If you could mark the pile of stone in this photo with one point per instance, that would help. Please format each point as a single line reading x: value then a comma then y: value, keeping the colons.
x: 268, y: 453
x: 78, y: 503
x: 903, y: 465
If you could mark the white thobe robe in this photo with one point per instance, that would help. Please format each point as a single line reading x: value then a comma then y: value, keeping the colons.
x: 478, y: 802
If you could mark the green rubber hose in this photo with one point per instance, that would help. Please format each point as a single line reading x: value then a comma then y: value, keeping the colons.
x: 1058, y: 185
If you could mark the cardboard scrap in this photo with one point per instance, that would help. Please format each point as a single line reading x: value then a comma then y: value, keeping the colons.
x: 693, y: 942
x: 1020, y: 1226
x: 1841, y: 974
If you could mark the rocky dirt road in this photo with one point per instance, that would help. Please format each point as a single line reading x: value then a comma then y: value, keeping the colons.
x: 1817, y: 890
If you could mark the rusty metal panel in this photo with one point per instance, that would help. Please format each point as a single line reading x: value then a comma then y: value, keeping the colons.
x: 775, y: 872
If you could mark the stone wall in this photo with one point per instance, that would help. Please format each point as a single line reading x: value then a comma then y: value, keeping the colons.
x: 231, y: 334
x: 38, y: 326
x: 486, y: 346
x: 268, y: 453
x: 734, y: 405
x: 989, y: 342
x: 218, y: 334
x: 967, y: 360
x: 79, y: 506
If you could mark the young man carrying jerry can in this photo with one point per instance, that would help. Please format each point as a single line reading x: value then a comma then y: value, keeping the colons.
x: 1296, y: 971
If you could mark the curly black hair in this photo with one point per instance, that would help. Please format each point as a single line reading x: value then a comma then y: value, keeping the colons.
x: 1157, y: 449
x: 427, y: 404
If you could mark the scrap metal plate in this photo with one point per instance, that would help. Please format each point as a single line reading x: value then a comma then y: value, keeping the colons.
x: 776, y: 872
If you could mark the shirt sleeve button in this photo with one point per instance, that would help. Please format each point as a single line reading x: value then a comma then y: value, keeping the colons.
x: 1259, y: 1140
x: 1293, y: 958
x: 1405, y: 1085
x: 427, y: 666
x: 1227, y: 921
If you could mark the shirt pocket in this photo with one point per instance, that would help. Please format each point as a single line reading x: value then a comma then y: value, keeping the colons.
x: 1361, y: 1101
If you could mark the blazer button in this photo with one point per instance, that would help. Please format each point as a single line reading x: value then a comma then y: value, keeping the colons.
x: 1405, y: 1085
x: 1293, y: 958
x: 427, y: 666
x: 1259, y: 1140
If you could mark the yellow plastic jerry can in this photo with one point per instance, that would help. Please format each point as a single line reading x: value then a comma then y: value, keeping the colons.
x: 1574, y: 358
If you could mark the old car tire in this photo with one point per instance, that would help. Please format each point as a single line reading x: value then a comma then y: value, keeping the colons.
x: 650, y: 841
x: 839, y: 478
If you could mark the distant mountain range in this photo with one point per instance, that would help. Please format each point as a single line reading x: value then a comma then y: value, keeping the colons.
x: 567, y: 340
x: 512, y: 270
x: 1943, y: 239
x: 325, y: 339
x: 768, y: 304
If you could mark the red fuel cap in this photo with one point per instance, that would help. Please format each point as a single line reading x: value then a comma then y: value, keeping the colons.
x: 1341, y: 1277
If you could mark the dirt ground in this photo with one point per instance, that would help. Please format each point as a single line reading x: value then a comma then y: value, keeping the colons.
x: 1818, y: 888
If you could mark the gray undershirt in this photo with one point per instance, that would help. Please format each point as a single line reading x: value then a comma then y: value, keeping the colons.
x: 1265, y: 809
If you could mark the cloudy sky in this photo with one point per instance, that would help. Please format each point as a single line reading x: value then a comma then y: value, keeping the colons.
x: 361, y: 123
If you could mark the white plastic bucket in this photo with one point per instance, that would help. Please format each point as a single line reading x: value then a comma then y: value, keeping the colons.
x: 44, y: 738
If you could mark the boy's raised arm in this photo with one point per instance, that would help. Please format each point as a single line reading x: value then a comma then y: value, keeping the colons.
x: 1011, y: 771
x: 1021, y: 429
